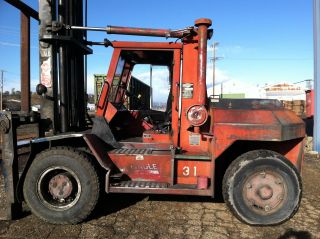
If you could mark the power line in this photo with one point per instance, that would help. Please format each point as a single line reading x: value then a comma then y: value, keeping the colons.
x: 13, y: 44
x: 267, y: 59
x: 13, y: 73
x: 1, y: 92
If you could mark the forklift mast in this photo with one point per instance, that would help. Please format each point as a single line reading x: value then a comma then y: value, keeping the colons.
x: 62, y: 67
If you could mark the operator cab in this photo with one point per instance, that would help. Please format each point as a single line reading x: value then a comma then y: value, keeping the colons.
x: 141, y: 108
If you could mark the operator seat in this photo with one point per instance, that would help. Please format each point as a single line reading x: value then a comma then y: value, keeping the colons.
x: 165, y: 126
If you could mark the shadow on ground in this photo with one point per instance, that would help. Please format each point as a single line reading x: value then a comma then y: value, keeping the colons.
x: 293, y: 234
x: 184, y: 198
x: 112, y: 203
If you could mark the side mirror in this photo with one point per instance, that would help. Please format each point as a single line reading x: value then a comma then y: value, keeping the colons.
x: 41, y: 89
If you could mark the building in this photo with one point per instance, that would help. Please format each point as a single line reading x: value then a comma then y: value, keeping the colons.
x: 237, y: 90
x: 285, y: 92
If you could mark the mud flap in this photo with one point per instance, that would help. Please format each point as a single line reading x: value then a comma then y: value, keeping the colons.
x: 102, y: 130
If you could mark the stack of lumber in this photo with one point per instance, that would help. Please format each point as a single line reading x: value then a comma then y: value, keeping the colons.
x: 297, y: 106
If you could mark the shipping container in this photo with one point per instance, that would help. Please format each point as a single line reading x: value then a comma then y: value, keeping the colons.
x: 138, y: 96
x: 234, y: 96
x: 98, y: 82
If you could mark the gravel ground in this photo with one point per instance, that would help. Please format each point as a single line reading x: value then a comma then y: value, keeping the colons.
x: 136, y: 216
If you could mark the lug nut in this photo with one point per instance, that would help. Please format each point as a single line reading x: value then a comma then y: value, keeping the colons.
x: 263, y: 174
x: 267, y: 208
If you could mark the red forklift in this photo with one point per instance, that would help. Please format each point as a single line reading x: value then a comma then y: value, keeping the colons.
x: 250, y: 150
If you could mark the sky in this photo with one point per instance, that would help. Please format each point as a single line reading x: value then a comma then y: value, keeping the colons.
x: 260, y: 41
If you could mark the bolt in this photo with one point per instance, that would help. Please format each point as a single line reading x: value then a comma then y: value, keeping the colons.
x: 280, y: 197
x: 267, y: 208
x: 263, y: 174
x: 249, y: 185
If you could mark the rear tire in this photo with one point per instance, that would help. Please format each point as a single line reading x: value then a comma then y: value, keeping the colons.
x: 262, y: 187
x: 61, y: 186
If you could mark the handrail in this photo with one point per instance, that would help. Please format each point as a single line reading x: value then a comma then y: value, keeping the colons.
x: 106, y: 96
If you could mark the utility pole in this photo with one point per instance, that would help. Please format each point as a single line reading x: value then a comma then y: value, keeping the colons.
x: 214, y: 59
x: 1, y: 93
x: 221, y: 95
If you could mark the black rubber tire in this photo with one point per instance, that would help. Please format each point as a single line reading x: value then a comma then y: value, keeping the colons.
x: 80, y: 165
x: 254, y: 161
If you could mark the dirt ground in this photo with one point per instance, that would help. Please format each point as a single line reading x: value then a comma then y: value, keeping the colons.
x: 136, y: 216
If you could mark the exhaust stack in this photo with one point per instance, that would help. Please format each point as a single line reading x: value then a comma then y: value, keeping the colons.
x: 203, y: 24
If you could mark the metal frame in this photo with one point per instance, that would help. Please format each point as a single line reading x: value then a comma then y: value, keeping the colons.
x: 9, y: 164
x: 62, y: 52
x: 10, y: 121
x: 25, y: 15
x: 316, y: 32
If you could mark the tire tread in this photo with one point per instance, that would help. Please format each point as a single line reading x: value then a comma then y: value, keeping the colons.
x: 236, y: 165
x: 84, y: 162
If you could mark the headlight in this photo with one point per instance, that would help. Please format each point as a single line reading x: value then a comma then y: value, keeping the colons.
x: 197, y: 115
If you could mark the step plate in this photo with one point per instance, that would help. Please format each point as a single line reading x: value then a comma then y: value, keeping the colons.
x: 132, y: 151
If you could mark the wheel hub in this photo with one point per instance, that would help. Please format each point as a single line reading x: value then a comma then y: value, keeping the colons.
x: 265, y: 192
x: 60, y: 187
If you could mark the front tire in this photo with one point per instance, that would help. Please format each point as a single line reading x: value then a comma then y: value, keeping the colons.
x: 61, y: 186
x: 262, y: 187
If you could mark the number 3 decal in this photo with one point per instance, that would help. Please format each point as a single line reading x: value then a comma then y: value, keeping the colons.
x: 185, y: 171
